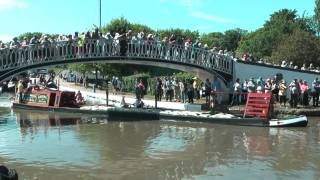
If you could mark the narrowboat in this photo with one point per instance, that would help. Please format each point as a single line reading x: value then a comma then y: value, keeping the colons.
x: 46, y: 99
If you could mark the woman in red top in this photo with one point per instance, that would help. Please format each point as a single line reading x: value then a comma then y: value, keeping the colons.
x: 141, y: 88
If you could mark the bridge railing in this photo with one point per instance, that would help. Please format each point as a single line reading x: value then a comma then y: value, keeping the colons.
x: 58, y: 51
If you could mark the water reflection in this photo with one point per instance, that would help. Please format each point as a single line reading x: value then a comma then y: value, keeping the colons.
x: 74, y: 146
x: 43, y: 139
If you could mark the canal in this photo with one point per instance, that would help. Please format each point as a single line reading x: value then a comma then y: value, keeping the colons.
x: 49, y: 146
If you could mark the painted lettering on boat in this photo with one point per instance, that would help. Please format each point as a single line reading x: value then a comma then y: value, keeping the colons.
x: 40, y: 98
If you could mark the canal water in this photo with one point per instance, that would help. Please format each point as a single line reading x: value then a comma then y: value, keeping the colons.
x: 47, y: 146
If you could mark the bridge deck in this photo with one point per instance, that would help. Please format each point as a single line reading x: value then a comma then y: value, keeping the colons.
x: 16, y: 60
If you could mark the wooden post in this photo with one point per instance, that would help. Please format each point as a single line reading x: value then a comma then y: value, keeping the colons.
x: 107, y: 94
x: 155, y: 98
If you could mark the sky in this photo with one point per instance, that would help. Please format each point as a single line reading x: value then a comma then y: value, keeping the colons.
x: 68, y: 16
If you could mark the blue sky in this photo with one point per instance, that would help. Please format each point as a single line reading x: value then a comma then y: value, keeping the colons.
x: 67, y: 16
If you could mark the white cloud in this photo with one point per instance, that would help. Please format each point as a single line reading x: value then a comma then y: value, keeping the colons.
x: 210, y: 17
x: 189, y: 4
x: 10, y: 4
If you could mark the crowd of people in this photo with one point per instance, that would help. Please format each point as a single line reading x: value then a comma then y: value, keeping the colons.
x: 99, y: 44
x: 172, y: 89
x: 283, y: 64
x: 117, y: 43
x: 297, y: 91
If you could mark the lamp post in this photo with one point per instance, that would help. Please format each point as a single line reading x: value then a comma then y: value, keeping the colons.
x: 100, y: 14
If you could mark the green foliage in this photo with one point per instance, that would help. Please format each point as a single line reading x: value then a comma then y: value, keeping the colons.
x: 266, y: 41
x: 317, y: 16
x: 120, y: 26
x: 232, y: 38
x: 213, y: 39
x: 260, y: 43
x: 135, y: 27
x: 82, y: 68
x: 179, y: 33
x: 300, y: 47
x: 129, y: 83
x: 183, y: 76
x: 29, y: 35
x: 228, y: 40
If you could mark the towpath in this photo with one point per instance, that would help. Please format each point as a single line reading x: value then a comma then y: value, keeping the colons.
x: 99, y: 97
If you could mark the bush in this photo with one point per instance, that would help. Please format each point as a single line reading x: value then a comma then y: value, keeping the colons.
x: 183, y: 76
x: 129, y: 82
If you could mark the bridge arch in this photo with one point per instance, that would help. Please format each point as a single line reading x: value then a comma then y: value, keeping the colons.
x: 202, y: 63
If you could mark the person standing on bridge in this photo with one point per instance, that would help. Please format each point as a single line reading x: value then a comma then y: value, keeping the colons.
x: 123, y: 42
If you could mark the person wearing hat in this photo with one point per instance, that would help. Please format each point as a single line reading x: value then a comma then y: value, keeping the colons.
x: 251, y: 86
x: 15, y: 43
x: 294, y: 93
x: 283, y: 92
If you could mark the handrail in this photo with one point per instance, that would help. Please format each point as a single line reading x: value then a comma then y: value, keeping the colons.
x: 58, y: 51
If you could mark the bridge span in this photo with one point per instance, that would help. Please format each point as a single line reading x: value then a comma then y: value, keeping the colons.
x: 203, y: 63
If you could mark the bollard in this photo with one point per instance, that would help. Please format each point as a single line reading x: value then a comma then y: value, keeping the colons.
x: 155, y: 98
x: 94, y: 88
x: 107, y: 94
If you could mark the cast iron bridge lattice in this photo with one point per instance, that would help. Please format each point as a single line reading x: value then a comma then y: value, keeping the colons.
x: 17, y: 60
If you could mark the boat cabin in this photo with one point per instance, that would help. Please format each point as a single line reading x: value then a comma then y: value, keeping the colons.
x: 49, y: 98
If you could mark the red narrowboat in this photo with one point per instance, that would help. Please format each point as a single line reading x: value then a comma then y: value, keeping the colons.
x: 36, y: 98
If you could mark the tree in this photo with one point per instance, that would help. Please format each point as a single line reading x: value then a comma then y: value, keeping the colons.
x: 213, y: 39
x: 300, y: 47
x: 82, y: 68
x: 179, y: 33
x: 120, y: 25
x: 259, y: 44
x: 29, y: 35
x: 317, y: 16
x: 231, y: 39
x: 264, y: 41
